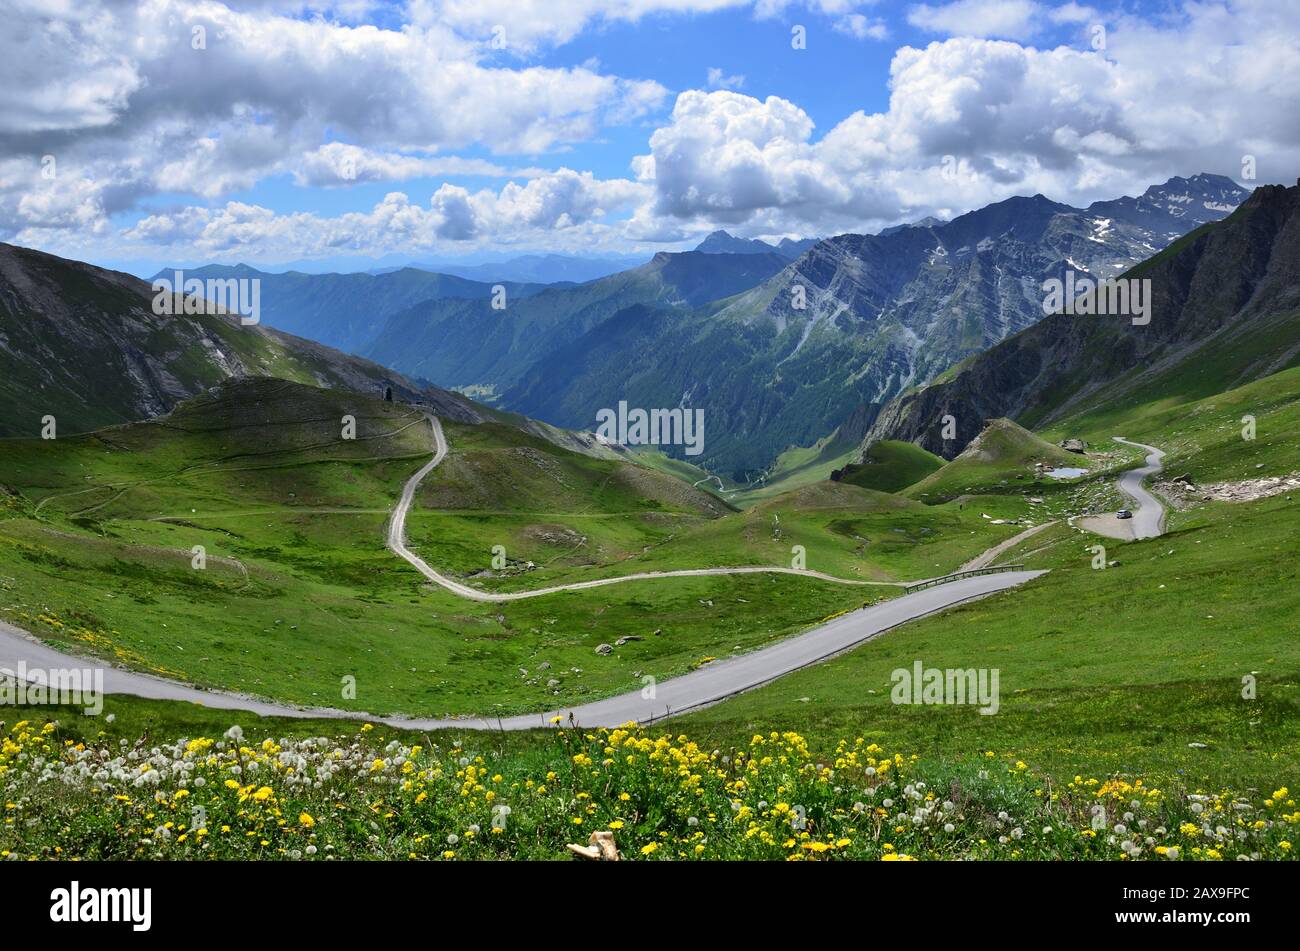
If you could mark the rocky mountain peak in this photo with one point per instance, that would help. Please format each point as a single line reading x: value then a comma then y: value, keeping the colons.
x: 1225, y: 306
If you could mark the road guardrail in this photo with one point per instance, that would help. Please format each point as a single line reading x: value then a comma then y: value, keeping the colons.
x: 958, y: 575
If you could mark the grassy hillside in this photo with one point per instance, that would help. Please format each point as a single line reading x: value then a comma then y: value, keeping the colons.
x: 97, y: 535
x: 891, y: 466
x: 798, y: 467
x: 653, y: 458
x: 1112, y: 671
x: 1204, y: 437
x: 550, y: 511
x: 1134, y: 669
x: 1002, y: 454
x: 564, y: 519
x: 1120, y: 688
x: 848, y: 532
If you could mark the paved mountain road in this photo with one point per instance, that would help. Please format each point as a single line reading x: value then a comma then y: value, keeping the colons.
x: 397, y: 545
x: 701, y: 687
x: 1149, y: 518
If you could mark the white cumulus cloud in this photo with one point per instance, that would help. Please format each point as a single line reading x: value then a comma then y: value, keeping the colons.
x: 1016, y: 19
x: 972, y: 120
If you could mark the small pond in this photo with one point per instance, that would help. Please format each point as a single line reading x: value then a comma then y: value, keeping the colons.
x: 1065, y: 473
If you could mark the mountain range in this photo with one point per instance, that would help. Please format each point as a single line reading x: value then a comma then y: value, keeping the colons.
x: 724, y: 242
x: 467, y: 344
x: 83, y: 344
x: 539, y: 268
x: 1225, y: 310
x: 347, y: 311
x: 833, y: 336
x: 778, y: 352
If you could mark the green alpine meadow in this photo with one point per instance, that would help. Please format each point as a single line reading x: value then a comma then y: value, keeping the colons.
x: 684, y: 431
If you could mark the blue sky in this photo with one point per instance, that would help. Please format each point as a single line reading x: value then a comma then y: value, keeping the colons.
x: 837, y: 76
x: 348, y: 133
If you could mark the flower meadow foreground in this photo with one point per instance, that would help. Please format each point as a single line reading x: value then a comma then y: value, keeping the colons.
x: 662, y: 797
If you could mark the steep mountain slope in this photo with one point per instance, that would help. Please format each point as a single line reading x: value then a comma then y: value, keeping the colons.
x: 347, y: 311
x: 1172, y: 209
x: 1225, y: 310
x: 82, y: 344
x: 856, y: 320
x: 467, y: 344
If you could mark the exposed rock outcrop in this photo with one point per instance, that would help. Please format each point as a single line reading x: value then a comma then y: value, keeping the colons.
x: 1224, y: 284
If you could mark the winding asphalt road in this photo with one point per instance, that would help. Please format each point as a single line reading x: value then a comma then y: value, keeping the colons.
x: 1149, y: 518
x: 397, y: 545
x: 650, y: 702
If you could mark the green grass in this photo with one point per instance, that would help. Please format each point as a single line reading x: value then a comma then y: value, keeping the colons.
x: 1002, y: 455
x: 1105, y: 671
x: 799, y: 467
x: 1204, y: 437
x: 851, y: 532
x: 891, y: 466
x: 1135, y: 670
x: 97, y: 534
x: 1118, y: 670
x: 316, y: 614
x: 238, y: 795
x: 834, y: 528
x: 721, y: 486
